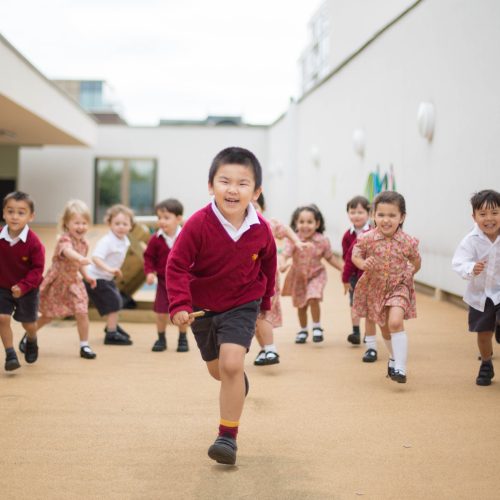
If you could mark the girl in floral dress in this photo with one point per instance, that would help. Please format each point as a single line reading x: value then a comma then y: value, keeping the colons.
x: 268, y: 320
x: 306, y: 279
x: 62, y: 292
x: 385, y: 292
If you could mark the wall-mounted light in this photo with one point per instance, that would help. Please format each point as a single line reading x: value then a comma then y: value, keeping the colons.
x: 315, y: 156
x: 426, y: 120
x: 359, y: 141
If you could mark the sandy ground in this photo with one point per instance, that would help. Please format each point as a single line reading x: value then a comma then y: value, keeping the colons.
x: 133, y: 424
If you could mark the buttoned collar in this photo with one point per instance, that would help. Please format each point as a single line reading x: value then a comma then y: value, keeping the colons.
x: 476, y: 231
x: 398, y: 236
x: 169, y: 240
x: 23, y: 235
x: 366, y: 227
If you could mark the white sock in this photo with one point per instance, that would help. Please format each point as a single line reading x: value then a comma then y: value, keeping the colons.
x: 388, y: 344
x: 270, y: 348
x: 316, y: 325
x: 371, y: 342
x: 84, y: 343
x: 400, y: 348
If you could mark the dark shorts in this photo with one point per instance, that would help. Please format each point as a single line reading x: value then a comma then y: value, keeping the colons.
x: 161, y: 298
x: 25, y: 308
x: 486, y: 321
x: 236, y: 326
x: 105, y: 297
x: 352, y: 281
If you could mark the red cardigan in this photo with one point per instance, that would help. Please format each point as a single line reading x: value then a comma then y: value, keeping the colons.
x: 348, y: 242
x: 155, y: 256
x: 22, y: 264
x: 208, y: 270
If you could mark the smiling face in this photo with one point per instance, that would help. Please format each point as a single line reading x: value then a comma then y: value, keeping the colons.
x: 488, y: 220
x: 168, y: 222
x: 358, y: 216
x: 233, y: 188
x: 306, y: 224
x: 120, y: 225
x: 17, y: 214
x: 77, y: 226
x: 388, y: 218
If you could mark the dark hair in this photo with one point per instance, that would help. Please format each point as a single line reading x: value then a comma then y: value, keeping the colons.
x: 318, y: 217
x: 261, y: 202
x: 358, y: 200
x: 238, y: 156
x: 171, y: 205
x: 487, y: 198
x: 392, y: 198
x: 20, y: 196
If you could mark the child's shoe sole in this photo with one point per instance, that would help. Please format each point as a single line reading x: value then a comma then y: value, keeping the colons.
x: 354, y: 339
x: 398, y: 377
x: 223, y: 451
x: 370, y: 356
x: 159, y: 346
x: 12, y: 364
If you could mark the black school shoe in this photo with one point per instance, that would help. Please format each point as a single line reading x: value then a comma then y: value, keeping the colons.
x: 223, y: 451
x: 370, y: 356
x: 160, y: 345
x: 87, y: 352
x: 390, y: 369
x: 497, y: 333
x: 182, y: 344
x: 354, y: 338
x: 12, y: 363
x: 22, y: 342
x: 318, y: 334
x: 116, y: 338
x: 31, y: 352
x: 398, y: 377
x: 301, y: 337
x: 486, y: 373
x: 120, y: 330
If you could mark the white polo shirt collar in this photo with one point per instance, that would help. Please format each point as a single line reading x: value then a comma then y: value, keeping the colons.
x: 251, y: 218
x: 23, y: 235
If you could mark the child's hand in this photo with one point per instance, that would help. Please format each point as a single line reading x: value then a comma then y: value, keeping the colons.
x: 284, y: 267
x: 369, y: 264
x: 16, y: 291
x: 84, y: 261
x: 92, y: 282
x: 479, y: 267
x: 117, y: 272
x: 347, y: 287
x: 150, y: 278
x: 302, y: 245
x: 182, y: 318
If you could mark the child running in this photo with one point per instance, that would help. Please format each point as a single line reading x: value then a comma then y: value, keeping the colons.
x: 107, y: 259
x: 477, y: 259
x: 169, y: 213
x: 358, y: 210
x: 22, y: 258
x: 267, y: 320
x: 307, y: 278
x: 224, y: 263
x: 62, y: 292
x: 385, y: 292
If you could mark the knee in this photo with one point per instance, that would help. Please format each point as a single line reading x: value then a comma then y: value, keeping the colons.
x: 231, y: 368
x: 4, y: 320
x: 395, y: 325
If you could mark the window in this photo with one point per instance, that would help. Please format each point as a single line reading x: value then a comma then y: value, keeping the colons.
x: 128, y: 181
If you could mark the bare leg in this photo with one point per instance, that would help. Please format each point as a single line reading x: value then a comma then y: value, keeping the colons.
x: 302, y: 312
x: 315, y: 310
x: 485, y: 344
x: 354, y: 319
x: 6, y: 331
x: 232, y: 388
x: 42, y: 321
x: 82, y: 325
x: 161, y: 322
x: 112, y: 321
x: 213, y: 368
x: 31, y: 329
x: 264, y: 332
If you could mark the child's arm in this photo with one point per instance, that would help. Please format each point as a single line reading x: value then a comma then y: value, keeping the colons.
x: 268, y: 265
x: 416, y: 263
x: 91, y: 281
x: 72, y: 254
x: 359, y: 255
x: 465, y: 262
x: 330, y: 257
x: 149, y: 261
x: 34, y: 276
x: 102, y: 265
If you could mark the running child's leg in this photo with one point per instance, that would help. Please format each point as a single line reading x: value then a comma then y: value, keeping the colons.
x: 11, y: 361
x: 31, y: 347
x: 317, y: 331
x: 264, y: 333
x: 182, y: 343
x: 303, y: 334
x: 386, y: 334
x: 399, y: 341
x: 161, y: 326
x: 371, y: 354
x: 112, y: 321
x: 485, y: 344
x: 82, y: 325
x: 114, y: 334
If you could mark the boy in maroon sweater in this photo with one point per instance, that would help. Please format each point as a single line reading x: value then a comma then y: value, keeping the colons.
x: 169, y: 213
x: 224, y: 263
x: 22, y: 258
x: 358, y: 210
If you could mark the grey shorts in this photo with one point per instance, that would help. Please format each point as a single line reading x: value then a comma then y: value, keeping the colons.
x: 484, y: 321
x: 105, y: 297
x: 236, y: 326
x: 25, y: 308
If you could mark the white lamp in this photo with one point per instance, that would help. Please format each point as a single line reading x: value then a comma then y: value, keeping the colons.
x: 426, y: 120
x: 359, y: 141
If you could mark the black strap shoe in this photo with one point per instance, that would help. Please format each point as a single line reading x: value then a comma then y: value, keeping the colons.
x: 87, y: 352
x: 31, y: 352
x: 159, y: 346
x: 223, y: 451
x: 182, y: 344
x: 486, y: 373
x: 370, y: 356
x: 115, y: 338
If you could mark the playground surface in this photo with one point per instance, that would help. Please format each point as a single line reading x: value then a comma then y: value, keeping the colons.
x: 134, y: 424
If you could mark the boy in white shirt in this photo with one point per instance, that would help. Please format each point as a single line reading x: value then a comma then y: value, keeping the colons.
x: 477, y: 259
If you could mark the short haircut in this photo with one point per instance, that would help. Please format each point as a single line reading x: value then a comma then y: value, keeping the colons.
x: 318, y: 217
x: 170, y: 205
x: 114, y: 210
x: 261, y: 201
x: 74, y: 207
x: 20, y: 196
x: 392, y: 198
x: 238, y: 156
x: 487, y: 198
x: 358, y: 200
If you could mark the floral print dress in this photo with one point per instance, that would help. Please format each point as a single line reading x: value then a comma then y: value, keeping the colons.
x: 390, y: 283
x: 306, y: 279
x: 62, y: 292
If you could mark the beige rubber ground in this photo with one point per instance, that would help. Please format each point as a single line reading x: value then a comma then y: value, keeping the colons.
x: 134, y: 424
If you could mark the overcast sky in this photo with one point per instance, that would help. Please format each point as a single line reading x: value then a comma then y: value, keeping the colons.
x: 169, y: 58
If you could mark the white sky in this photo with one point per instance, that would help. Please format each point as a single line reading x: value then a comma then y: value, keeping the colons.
x: 169, y: 58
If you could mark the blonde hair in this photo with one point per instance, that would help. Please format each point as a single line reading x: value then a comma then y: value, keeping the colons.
x: 74, y: 207
x: 114, y: 210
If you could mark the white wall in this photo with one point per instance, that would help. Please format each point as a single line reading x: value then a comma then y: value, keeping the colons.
x: 443, y: 52
x: 53, y: 175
